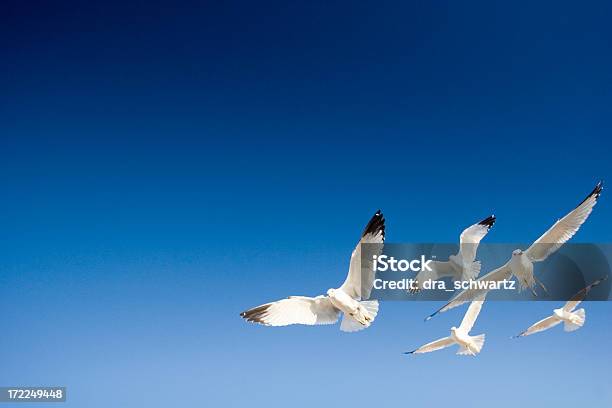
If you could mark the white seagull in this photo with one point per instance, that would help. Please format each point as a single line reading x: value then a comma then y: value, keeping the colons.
x: 468, y: 345
x: 462, y: 266
x: 521, y: 262
x: 350, y: 298
x: 573, y: 320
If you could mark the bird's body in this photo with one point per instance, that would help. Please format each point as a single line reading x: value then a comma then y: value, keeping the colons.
x: 568, y: 317
x: 461, y: 337
x: 468, y: 345
x: 350, y: 306
x: 522, y: 268
x: 349, y: 299
x: 462, y: 266
x: 572, y: 319
x: 465, y: 269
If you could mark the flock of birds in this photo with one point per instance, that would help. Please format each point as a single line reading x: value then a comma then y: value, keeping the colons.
x: 351, y: 299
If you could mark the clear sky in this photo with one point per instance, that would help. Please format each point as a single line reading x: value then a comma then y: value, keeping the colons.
x: 166, y: 166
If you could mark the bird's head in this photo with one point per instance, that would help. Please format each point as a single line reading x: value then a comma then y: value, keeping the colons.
x: 517, y: 252
x: 453, y: 329
x: 330, y: 292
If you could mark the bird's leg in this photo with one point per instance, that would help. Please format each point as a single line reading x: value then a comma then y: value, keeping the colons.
x: 365, y: 313
x: 542, y: 285
x: 358, y: 317
x: 414, y: 287
x: 534, y: 292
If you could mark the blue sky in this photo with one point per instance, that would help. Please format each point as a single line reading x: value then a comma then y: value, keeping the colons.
x: 165, y: 167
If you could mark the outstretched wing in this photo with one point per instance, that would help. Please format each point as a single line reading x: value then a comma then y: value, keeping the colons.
x: 564, y: 229
x: 294, y: 310
x: 580, y: 296
x: 479, y: 292
x: 542, y: 325
x: 471, y: 237
x: 470, y: 316
x: 356, y: 285
x: 433, y: 346
x: 438, y: 271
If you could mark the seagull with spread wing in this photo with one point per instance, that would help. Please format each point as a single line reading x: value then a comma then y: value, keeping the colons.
x: 521, y: 263
x: 462, y: 266
x: 572, y: 319
x: 349, y: 299
x: 468, y: 345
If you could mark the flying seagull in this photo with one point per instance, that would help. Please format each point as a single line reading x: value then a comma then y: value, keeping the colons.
x: 350, y: 298
x: 468, y: 345
x: 521, y: 262
x: 462, y: 266
x: 573, y: 320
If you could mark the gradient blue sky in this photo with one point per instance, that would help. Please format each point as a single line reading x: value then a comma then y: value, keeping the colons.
x: 167, y: 166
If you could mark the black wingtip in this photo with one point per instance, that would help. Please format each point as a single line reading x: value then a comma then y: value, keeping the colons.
x: 432, y: 315
x: 256, y: 314
x: 595, y: 193
x: 597, y: 282
x: 409, y: 352
x: 598, y: 188
x: 488, y: 222
x: 375, y: 225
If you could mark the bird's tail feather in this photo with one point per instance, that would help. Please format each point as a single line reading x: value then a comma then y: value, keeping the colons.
x: 579, y: 317
x: 350, y: 324
x: 474, y: 348
x: 478, y: 342
x: 472, y: 272
x: 371, y: 306
x: 464, y: 351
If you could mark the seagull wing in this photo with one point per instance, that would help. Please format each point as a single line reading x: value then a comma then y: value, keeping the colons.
x: 468, y: 295
x: 433, y: 346
x: 438, y: 271
x: 471, y: 237
x: 294, y: 310
x: 542, y: 325
x: 470, y: 316
x: 564, y: 229
x: 356, y: 285
x: 580, y: 296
